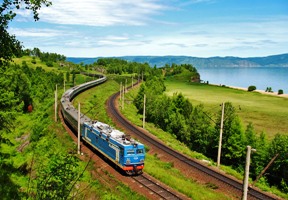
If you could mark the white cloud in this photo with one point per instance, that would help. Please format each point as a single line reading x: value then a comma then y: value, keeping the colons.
x: 33, y: 32
x: 99, y: 12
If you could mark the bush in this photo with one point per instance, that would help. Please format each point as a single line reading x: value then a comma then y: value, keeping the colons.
x: 49, y: 64
x: 251, y: 88
x: 280, y: 91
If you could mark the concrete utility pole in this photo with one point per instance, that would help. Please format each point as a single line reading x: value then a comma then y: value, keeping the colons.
x: 144, y: 108
x: 79, y: 129
x: 126, y: 86
x: 55, y: 106
x: 120, y: 91
x: 246, y: 176
x: 220, y: 138
x: 123, y: 93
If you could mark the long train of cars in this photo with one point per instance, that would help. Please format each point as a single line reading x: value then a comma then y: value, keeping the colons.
x: 122, y: 150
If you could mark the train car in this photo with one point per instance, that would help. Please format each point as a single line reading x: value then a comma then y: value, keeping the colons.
x: 122, y: 150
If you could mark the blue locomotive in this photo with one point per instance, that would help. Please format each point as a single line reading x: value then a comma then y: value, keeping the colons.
x: 118, y: 147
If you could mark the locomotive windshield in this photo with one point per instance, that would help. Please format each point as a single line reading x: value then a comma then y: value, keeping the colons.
x: 139, y: 151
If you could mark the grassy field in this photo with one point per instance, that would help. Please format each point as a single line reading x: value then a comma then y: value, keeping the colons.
x: 28, y: 60
x: 267, y: 113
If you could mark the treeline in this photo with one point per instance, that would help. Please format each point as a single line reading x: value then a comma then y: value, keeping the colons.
x: 199, y: 130
x: 46, y: 57
x: 118, y: 66
x: 174, y: 69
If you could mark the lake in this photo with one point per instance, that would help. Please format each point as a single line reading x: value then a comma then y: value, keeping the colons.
x: 261, y: 77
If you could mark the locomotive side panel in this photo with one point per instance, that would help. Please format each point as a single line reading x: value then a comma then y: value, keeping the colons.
x: 101, y: 143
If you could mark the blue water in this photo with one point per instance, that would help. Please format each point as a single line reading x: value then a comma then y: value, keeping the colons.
x: 261, y: 77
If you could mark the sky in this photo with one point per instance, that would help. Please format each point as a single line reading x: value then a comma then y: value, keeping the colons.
x: 200, y: 28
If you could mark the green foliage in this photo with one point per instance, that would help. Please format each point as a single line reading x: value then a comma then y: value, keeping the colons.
x: 280, y: 92
x: 184, y: 72
x: 57, y: 179
x: 118, y: 66
x: 268, y: 89
x: 278, y: 171
x: 9, y: 45
x: 251, y: 88
x: 67, y: 76
x: 49, y: 64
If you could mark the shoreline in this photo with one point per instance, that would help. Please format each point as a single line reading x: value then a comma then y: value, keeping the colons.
x: 259, y: 91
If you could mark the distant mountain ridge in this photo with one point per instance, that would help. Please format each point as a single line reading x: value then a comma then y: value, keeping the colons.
x: 280, y: 60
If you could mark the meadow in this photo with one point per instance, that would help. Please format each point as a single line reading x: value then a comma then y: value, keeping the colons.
x: 267, y: 113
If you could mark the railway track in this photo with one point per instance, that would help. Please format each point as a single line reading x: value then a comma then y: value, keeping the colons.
x: 147, y: 139
x: 155, y: 187
x: 146, y: 185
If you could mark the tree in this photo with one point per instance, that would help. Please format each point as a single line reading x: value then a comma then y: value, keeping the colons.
x: 233, y: 143
x: 9, y: 45
x: 251, y: 88
x: 57, y: 179
x: 280, y: 91
x: 201, y: 131
x: 278, y: 171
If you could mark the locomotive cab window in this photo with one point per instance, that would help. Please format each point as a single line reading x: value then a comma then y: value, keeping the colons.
x: 130, y: 151
x: 139, y: 151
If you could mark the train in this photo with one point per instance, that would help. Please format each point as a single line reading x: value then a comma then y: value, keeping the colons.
x: 124, y: 151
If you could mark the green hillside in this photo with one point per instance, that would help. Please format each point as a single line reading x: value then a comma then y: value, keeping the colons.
x: 267, y: 113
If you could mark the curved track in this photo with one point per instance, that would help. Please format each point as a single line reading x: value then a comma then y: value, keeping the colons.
x: 156, y: 188
x: 148, y: 187
x: 145, y: 138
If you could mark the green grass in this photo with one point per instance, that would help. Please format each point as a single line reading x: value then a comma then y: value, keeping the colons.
x: 28, y: 60
x: 267, y: 113
x: 165, y: 172
x: 93, y: 105
x: 93, y: 101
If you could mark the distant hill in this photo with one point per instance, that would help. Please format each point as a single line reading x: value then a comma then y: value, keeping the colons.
x: 268, y: 61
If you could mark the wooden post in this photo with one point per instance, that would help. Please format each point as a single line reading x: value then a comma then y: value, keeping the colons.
x: 263, y: 171
x: 220, y: 138
x: 144, y: 108
x: 64, y: 86
x: 55, y: 106
x: 79, y: 129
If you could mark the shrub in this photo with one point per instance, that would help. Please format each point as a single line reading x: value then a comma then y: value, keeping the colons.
x: 280, y: 91
x: 33, y: 61
x: 251, y: 88
x: 49, y: 64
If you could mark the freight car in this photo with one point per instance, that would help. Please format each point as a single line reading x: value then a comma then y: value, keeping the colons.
x: 118, y: 147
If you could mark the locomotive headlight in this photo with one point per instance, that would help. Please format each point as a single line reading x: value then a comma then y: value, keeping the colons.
x: 128, y: 161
